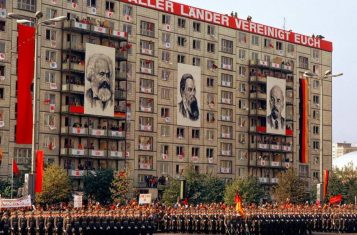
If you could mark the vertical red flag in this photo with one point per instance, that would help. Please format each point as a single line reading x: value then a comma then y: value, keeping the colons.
x: 326, y: 174
x: 39, y: 171
x: 15, y: 168
x: 25, y: 70
x: 238, y: 201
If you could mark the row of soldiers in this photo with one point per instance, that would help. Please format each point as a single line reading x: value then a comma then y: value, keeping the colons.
x: 201, y: 219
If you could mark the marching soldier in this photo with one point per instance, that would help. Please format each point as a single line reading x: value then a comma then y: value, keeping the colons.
x: 14, y: 221
x: 23, y: 224
x: 32, y: 224
x: 50, y: 223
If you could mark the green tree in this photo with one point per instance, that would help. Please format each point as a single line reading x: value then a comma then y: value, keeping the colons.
x: 56, y: 186
x: 291, y: 187
x: 5, y: 188
x: 171, y: 191
x: 248, y: 188
x: 120, y: 187
x: 97, y: 186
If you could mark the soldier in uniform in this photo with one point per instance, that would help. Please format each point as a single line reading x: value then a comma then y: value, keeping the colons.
x: 41, y: 224
x: 14, y: 221
x: 32, y: 224
x: 50, y: 223
x: 23, y: 224
x: 6, y: 223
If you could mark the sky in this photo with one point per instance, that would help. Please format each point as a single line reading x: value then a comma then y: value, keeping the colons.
x: 334, y: 19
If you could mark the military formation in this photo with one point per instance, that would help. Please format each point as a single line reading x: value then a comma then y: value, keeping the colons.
x: 206, y: 219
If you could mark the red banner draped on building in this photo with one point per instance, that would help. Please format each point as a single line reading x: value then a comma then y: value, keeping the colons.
x: 304, y: 112
x: 25, y: 70
x: 326, y: 173
x: 39, y: 171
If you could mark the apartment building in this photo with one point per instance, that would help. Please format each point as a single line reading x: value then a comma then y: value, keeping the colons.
x: 253, y: 113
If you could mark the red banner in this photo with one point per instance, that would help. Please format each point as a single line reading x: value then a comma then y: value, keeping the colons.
x: 232, y: 22
x: 336, y: 199
x: 326, y: 174
x: 304, y: 125
x: 39, y: 171
x: 25, y: 70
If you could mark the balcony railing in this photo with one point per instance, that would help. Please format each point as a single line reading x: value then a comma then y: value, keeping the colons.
x: 73, y: 88
x: 74, y: 66
x: 97, y: 132
x: 146, y: 147
x: 194, y: 159
x: 145, y: 166
x: 145, y: 127
x: 262, y: 146
x: 226, y: 135
x: 263, y: 180
x: 275, y: 147
x: 275, y: 164
x: 145, y: 108
x: 225, y: 170
x: 119, y: 134
x: 226, y: 152
x: 146, y: 89
x: 226, y: 118
x: 97, y: 153
x: 73, y: 152
x: 286, y: 148
x: 262, y: 163
x: 226, y: 100
x: 274, y: 180
x: 118, y: 154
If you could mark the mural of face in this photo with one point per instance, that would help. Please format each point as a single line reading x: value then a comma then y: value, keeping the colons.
x: 276, y: 102
x: 188, y: 105
x: 100, y: 76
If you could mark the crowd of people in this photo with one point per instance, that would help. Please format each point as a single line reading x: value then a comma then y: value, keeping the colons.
x: 216, y: 218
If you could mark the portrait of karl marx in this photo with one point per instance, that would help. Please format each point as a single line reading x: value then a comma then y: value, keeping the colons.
x: 188, y: 106
x: 99, y: 73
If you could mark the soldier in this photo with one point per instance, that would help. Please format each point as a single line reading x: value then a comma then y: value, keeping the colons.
x: 6, y: 223
x: 32, y: 224
x: 23, y: 224
x: 59, y: 223
x: 41, y: 224
x: 50, y: 224
x: 14, y: 221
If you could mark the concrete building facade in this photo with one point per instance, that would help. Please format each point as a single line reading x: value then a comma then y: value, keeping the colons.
x: 231, y: 139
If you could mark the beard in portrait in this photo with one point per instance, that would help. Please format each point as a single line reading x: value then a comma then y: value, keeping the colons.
x: 100, y: 76
x: 188, y: 106
x: 276, y: 121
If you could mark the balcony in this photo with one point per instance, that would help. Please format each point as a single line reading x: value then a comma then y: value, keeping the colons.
x: 226, y: 152
x: 120, y: 75
x: 258, y: 112
x: 287, y: 164
x: 275, y: 146
x: 73, y: 152
x: 226, y: 118
x: 147, y: 127
x: 258, y: 95
x: 261, y: 129
x: 146, y: 70
x: 226, y: 83
x: 263, y: 180
x: 74, y: 130
x: 73, y: 66
x: 145, y: 166
x: 97, y: 153
x: 226, y: 135
x: 145, y: 108
x: 226, y: 100
x: 289, y: 132
x: 258, y: 78
x: 73, y: 109
x: 120, y: 95
x: 97, y: 132
x: 73, y: 88
x: 287, y: 67
x: 261, y: 63
x: 147, y: 51
x: 117, y: 134
x: 146, y: 89
x: 286, y: 148
x: 181, y: 157
x: 262, y: 163
x: 116, y: 154
x: 146, y: 147
x: 79, y: 173
x: 227, y: 66
x: 225, y: 170
x: 194, y: 159
x: 275, y: 164
x: 275, y: 65
x: 274, y: 180
x: 262, y: 146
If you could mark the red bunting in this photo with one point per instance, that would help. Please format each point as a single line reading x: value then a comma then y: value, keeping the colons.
x: 15, y: 168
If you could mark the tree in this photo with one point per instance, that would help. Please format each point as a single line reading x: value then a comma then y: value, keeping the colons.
x: 171, y: 191
x: 97, y: 186
x: 120, y: 187
x: 291, y: 187
x: 56, y: 186
x: 248, y: 188
x: 5, y: 188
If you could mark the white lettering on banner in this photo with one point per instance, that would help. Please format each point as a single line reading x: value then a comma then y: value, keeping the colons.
x: 14, y: 203
x: 231, y: 22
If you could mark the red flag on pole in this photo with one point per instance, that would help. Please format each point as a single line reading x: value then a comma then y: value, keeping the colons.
x: 325, y: 185
x: 336, y: 199
x: 39, y: 171
x: 238, y: 201
x: 15, y: 168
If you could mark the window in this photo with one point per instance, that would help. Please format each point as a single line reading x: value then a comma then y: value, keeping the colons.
x: 50, y: 76
x: 166, y: 56
x: 227, y: 114
x: 127, y: 28
x: 50, y: 98
x: 196, y: 26
x: 147, y: 66
x: 316, y: 130
x: 165, y: 131
x: 166, y: 19
x: 210, y: 117
x: 127, y: 10
x: 145, y: 143
x: 181, y: 59
x: 109, y: 6
x: 210, y: 30
x: 291, y: 48
x: 196, y: 61
x: 22, y: 155
x: 316, y: 114
x: 196, y: 44
x: 181, y: 41
x: 165, y: 93
x: 242, y: 37
x: 210, y: 82
x: 227, y: 63
x: 227, y: 97
x: 50, y: 121
x: 146, y: 105
x: 27, y: 5
x: 50, y: 35
x: 181, y: 23
x: 227, y: 80
x: 242, y: 104
x: 226, y: 132
x: 146, y: 123
x: 195, y: 151
x: 316, y: 99
x: 165, y: 112
x: 255, y: 40
x: 211, y: 65
x: 145, y: 162
x: 279, y: 45
x: 304, y: 171
x: 255, y: 56
x: 147, y: 47
x: 179, y: 150
x: 146, y: 85
x: 180, y: 133
x: 242, y: 87
x: 166, y: 38
x: 195, y: 133
x: 315, y: 69
x: 316, y: 84
x: 315, y: 54
x: 210, y: 100
x: 50, y: 56
x: 210, y: 134
x: 166, y: 75
x: 147, y: 29
x: 164, y: 149
x: 227, y: 46
x: 241, y: 54
x: 210, y: 47
x: 1, y: 93
x: 2, y: 71
x: 315, y: 175
x: 267, y: 58
x: 267, y: 43
x: 51, y: 13
x: 316, y: 145
x: 242, y: 71
x: 304, y: 62
x: 209, y: 153
x: 2, y: 25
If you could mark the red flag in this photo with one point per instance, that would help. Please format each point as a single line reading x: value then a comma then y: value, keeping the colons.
x: 336, y: 199
x: 26, y: 55
x: 39, y: 171
x: 238, y: 201
x: 15, y: 168
x: 325, y: 185
x: 185, y: 202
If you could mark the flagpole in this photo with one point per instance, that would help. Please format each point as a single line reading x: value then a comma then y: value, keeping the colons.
x: 12, y: 176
